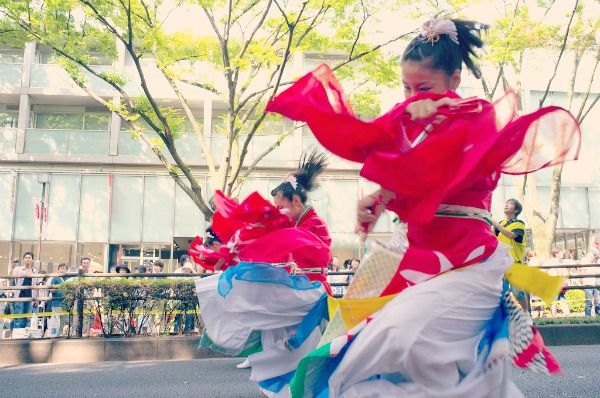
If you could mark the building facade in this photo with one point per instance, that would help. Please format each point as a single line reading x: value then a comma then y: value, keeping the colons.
x: 107, y: 197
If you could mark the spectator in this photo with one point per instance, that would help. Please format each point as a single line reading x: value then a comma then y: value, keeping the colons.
x: 55, y: 304
x: 142, y: 269
x: 511, y: 231
x: 353, y: 265
x: 592, y: 295
x: 335, y: 262
x: 56, y: 296
x: 43, y: 295
x: 180, y: 263
x: 561, y: 301
x: 346, y: 264
x: 85, y: 265
x: 122, y: 269
x: 158, y: 267
x: 185, y: 268
x: 335, y: 267
x: 112, y: 269
x: 25, y: 274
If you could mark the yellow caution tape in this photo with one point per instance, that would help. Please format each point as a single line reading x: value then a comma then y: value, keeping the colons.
x: 89, y: 311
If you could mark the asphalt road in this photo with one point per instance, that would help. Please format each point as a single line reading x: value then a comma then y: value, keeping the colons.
x: 219, y: 378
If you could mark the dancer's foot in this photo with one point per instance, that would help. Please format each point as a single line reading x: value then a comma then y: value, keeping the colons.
x: 243, y: 365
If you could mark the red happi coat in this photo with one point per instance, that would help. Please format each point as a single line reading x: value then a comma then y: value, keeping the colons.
x: 458, y: 162
x: 315, y: 224
x: 256, y: 231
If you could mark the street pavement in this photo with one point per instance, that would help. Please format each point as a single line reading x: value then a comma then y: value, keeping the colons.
x: 219, y: 378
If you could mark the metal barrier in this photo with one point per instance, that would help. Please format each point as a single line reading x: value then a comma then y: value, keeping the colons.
x: 80, y: 310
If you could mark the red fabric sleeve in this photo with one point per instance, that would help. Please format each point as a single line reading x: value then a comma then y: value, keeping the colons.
x: 476, y: 140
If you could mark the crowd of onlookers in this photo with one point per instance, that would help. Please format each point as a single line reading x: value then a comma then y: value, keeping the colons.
x: 349, y: 265
x: 574, y: 276
x: 50, y: 301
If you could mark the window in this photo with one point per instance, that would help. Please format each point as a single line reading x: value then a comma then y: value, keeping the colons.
x: 96, y: 121
x: 93, y: 120
x: 11, y: 56
x: 48, y: 56
x: 63, y: 206
x: 94, y: 208
x: 573, y: 207
x: 312, y: 60
x: 4, y: 257
x: 189, y: 220
x: 96, y: 252
x: 45, y: 56
x: 594, y: 200
x: 6, y: 204
x: 29, y: 192
x: 58, y: 121
x: 9, y: 119
x: 126, y: 208
x: 159, y: 195
x: 218, y: 124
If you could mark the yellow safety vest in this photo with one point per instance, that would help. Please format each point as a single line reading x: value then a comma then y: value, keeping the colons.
x: 529, y: 279
x: 517, y: 249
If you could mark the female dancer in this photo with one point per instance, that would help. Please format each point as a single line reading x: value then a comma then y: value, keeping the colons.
x: 256, y: 308
x: 437, y: 159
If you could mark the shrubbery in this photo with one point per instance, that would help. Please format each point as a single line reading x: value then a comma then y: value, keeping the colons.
x: 124, y: 305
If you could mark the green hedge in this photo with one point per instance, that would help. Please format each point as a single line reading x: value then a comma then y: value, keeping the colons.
x: 567, y: 320
x: 125, y: 305
x: 575, y: 301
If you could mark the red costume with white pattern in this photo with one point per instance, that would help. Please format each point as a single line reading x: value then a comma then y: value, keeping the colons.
x: 256, y: 231
x: 458, y: 162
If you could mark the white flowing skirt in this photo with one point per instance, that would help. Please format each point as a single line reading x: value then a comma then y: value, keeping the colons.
x: 274, y: 310
x: 424, y: 343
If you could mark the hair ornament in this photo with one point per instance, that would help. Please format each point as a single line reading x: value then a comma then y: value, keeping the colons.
x: 432, y: 29
x: 291, y: 179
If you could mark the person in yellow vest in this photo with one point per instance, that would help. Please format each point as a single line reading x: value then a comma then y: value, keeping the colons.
x: 511, y: 232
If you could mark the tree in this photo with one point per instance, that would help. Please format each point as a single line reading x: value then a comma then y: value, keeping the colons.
x: 511, y: 38
x: 252, y: 41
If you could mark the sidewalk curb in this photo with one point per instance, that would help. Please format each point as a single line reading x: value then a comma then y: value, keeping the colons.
x: 89, y: 350
x: 554, y: 335
x: 99, y: 350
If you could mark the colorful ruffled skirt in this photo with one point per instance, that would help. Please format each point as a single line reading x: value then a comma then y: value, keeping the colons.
x: 260, y: 311
x: 452, y: 336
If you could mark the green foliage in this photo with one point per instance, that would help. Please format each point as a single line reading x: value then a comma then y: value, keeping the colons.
x: 516, y: 32
x: 566, y: 321
x: 575, y: 300
x: 125, y: 304
x: 240, y: 61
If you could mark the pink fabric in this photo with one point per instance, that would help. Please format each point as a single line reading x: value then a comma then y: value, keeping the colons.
x: 255, y: 230
x: 458, y: 163
x: 206, y: 257
x: 536, y: 347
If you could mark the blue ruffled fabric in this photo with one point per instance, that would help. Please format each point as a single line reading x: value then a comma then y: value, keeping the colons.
x: 312, y: 320
x: 277, y: 383
x: 262, y: 273
x: 496, y: 329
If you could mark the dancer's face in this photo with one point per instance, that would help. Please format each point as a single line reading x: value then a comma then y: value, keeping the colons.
x: 293, y: 208
x: 215, y: 246
x: 418, y: 77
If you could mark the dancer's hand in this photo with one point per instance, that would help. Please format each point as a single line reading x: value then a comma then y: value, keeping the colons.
x: 427, y: 108
x: 369, y: 209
